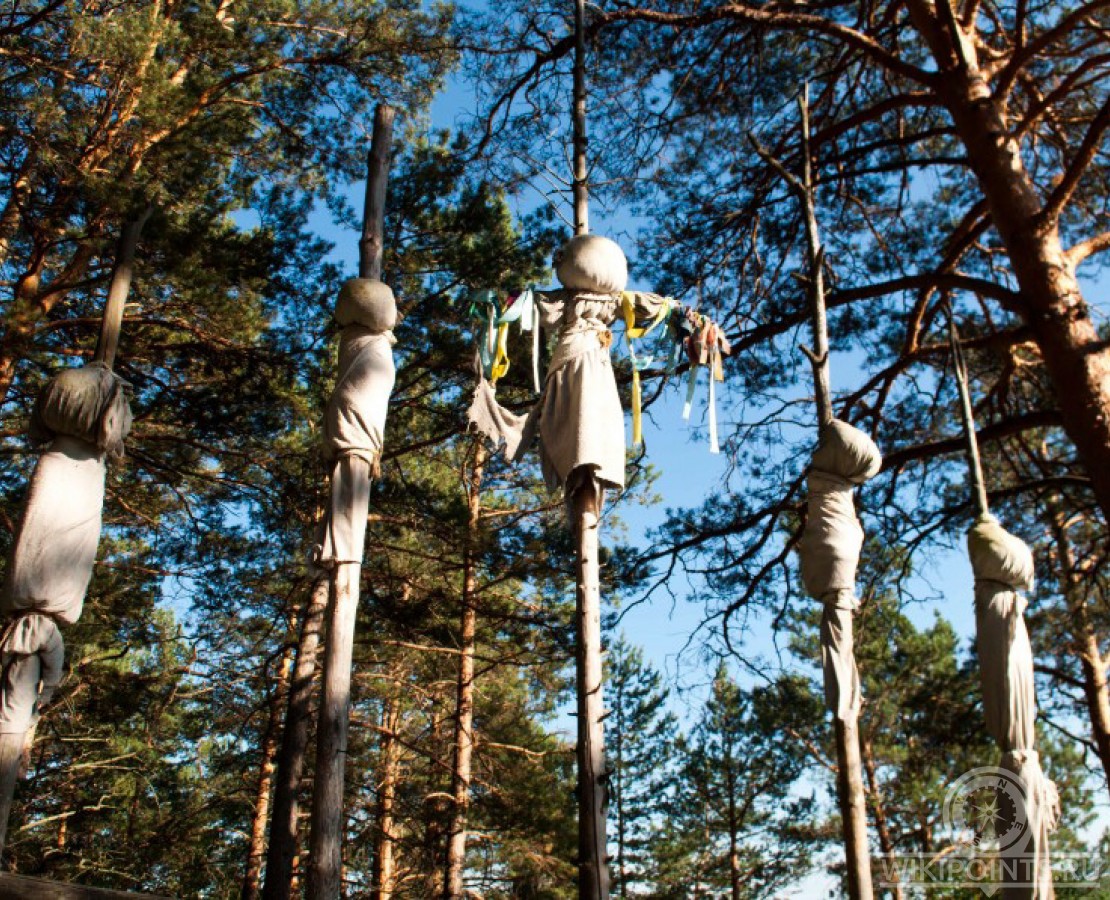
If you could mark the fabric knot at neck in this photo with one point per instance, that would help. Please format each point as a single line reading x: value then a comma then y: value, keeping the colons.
x: 831, y: 543
x: 998, y: 556
x: 88, y: 403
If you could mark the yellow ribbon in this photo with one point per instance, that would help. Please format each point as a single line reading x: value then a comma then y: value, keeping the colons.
x: 628, y: 309
x: 501, y: 354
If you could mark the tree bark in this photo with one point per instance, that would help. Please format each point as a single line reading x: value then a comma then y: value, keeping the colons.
x: 282, y: 852
x: 593, y: 868
x: 878, y: 810
x: 1050, y: 301
x: 1084, y: 638
x: 257, y: 847
x: 372, y: 243
x: 384, y: 867
x: 111, y: 322
x: 464, y: 705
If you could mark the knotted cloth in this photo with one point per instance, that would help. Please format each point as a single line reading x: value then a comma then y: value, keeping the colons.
x: 1003, y: 567
x: 829, y: 552
x: 89, y: 403
x: 31, y: 657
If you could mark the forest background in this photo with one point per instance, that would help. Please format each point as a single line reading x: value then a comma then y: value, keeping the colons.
x: 153, y: 768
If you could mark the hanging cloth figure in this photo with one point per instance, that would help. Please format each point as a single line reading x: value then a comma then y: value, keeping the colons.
x: 829, y: 552
x: 578, y: 417
x: 1003, y: 567
x: 81, y: 417
x: 355, y: 419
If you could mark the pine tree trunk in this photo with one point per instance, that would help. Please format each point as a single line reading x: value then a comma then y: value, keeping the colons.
x: 1092, y: 662
x: 383, y: 872
x: 464, y: 705
x: 878, y: 810
x: 257, y: 847
x: 733, y: 829
x: 282, y: 853
x: 1050, y: 301
x: 593, y: 868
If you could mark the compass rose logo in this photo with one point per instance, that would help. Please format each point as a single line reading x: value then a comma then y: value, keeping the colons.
x: 986, y: 808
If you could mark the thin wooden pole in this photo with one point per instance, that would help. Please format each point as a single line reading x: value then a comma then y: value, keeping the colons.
x: 819, y: 356
x: 581, y: 173
x: 593, y: 868
x: 111, y: 321
x: 974, y: 462
x: 849, y: 782
x: 325, y: 868
x: 372, y: 243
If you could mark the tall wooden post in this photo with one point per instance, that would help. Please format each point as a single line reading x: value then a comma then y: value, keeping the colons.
x: 111, y: 321
x: 282, y: 849
x: 581, y: 172
x: 593, y: 865
x: 849, y: 779
x: 325, y: 869
x: 372, y: 244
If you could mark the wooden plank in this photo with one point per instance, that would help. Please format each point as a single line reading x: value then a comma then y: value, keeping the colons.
x: 22, y: 887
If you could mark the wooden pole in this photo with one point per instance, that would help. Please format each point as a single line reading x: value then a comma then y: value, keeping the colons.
x: 593, y: 868
x: 325, y: 868
x: 593, y: 865
x: 974, y: 462
x: 454, y: 888
x: 372, y: 243
x: 849, y: 781
x: 581, y: 173
x: 111, y: 321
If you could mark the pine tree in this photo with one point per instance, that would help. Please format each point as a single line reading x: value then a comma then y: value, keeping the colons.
x: 641, y: 759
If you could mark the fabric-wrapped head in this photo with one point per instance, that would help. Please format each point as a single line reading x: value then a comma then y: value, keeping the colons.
x: 996, y: 555
x: 847, y: 452
x: 589, y: 262
x: 89, y: 403
x: 366, y: 302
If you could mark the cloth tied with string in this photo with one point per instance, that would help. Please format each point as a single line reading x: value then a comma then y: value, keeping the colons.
x: 32, y: 655
x: 354, y: 422
x: 81, y: 417
x: 829, y: 552
x: 1003, y: 567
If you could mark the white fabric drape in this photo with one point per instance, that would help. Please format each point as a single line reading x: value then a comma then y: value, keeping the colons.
x: 1003, y: 567
x: 82, y: 416
x: 354, y: 426
x: 829, y: 553
x: 578, y: 418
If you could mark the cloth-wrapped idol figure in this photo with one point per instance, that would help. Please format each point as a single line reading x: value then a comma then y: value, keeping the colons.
x: 355, y: 419
x: 829, y: 552
x: 578, y: 418
x: 1003, y: 567
x: 81, y: 417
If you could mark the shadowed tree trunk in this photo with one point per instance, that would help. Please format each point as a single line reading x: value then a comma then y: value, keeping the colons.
x: 464, y: 706
x: 384, y: 866
x: 257, y: 848
x: 282, y: 853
